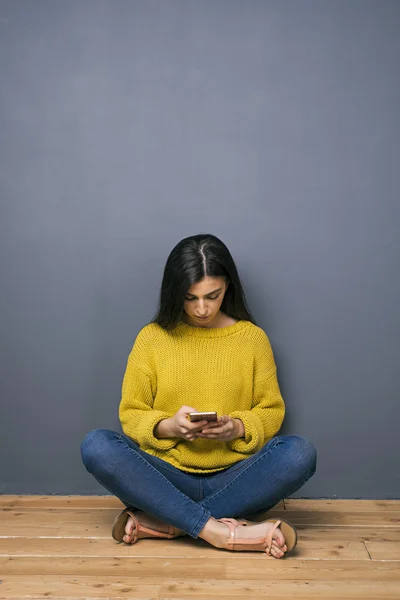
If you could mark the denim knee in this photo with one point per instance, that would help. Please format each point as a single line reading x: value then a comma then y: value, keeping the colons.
x: 304, y: 454
x: 94, y: 447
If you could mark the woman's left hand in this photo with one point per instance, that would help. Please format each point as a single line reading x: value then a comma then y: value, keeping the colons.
x: 225, y: 430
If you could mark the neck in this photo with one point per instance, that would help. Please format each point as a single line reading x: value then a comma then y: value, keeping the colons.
x: 216, y: 321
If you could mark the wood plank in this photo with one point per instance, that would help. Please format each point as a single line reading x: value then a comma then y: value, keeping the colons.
x: 98, y: 523
x: 283, y: 590
x: 354, y: 534
x: 43, y: 586
x: 335, y: 519
x: 70, y: 587
x: 109, y: 501
x: 180, y: 547
x: 83, y: 522
x: 207, y: 568
x: 80, y: 522
x: 103, y: 531
x: 41, y: 502
x: 72, y: 525
x: 305, y: 532
x: 65, y: 502
x: 343, y: 505
x: 384, y: 550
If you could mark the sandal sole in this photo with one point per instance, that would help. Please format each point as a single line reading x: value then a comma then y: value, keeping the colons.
x: 118, y: 529
x: 289, y: 533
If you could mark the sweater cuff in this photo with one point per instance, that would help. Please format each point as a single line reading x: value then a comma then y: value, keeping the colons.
x: 253, y: 432
x: 146, y: 431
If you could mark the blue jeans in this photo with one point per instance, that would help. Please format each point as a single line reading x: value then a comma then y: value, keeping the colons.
x: 186, y: 500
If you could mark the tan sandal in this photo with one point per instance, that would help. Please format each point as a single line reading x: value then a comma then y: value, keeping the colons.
x: 140, y: 531
x: 264, y: 543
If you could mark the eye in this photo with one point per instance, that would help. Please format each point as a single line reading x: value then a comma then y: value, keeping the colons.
x: 211, y: 298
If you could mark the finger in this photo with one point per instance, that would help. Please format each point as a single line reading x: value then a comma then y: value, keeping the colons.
x: 187, y: 409
x: 213, y: 424
x: 226, y: 422
x: 224, y: 419
x: 189, y: 426
x: 198, y: 426
x: 214, y: 431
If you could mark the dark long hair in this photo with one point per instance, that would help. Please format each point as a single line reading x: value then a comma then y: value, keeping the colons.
x: 192, y: 259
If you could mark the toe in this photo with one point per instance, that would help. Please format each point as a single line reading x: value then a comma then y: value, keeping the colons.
x: 128, y: 530
x: 278, y: 538
x: 275, y: 552
x: 279, y: 545
x: 129, y: 526
x: 278, y: 549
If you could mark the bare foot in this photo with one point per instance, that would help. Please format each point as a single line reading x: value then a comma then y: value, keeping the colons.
x: 217, y: 534
x: 147, y: 521
x: 254, y: 530
x: 128, y: 530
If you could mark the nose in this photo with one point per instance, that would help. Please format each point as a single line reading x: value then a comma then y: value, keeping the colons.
x: 201, y: 310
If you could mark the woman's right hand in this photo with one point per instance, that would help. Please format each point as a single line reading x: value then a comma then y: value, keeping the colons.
x: 179, y: 425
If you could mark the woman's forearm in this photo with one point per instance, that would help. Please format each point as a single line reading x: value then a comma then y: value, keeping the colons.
x: 163, y: 429
x: 241, y: 429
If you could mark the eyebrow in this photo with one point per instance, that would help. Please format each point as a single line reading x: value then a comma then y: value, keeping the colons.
x: 209, y: 293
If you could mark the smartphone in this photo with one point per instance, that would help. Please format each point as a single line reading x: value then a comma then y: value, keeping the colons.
x: 203, y: 416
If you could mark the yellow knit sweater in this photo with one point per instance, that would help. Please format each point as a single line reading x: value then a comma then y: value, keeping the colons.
x: 230, y: 370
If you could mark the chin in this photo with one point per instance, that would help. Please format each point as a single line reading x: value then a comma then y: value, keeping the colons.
x: 200, y: 321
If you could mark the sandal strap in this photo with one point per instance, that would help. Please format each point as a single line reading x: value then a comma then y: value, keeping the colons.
x: 170, y: 534
x: 139, y: 527
x: 270, y: 534
x: 232, y: 524
x: 233, y: 541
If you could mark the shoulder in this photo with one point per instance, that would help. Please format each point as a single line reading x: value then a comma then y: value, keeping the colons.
x: 144, y: 347
x: 152, y: 331
x: 264, y: 359
x: 256, y: 333
x: 259, y: 340
x: 150, y: 335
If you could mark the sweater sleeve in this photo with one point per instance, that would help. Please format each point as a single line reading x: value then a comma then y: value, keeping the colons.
x: 266, y: 415
x: 136, y: 413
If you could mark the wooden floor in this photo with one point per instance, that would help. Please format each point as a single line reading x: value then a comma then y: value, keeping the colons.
x: 61, y: 547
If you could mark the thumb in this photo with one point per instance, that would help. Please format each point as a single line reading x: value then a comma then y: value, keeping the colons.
x: 188, y: 409
x: 223, y: 418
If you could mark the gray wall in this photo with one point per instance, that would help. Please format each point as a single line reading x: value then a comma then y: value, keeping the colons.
x: 128, y: 125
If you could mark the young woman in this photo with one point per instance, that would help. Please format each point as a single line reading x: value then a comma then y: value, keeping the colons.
x: 202, y: 352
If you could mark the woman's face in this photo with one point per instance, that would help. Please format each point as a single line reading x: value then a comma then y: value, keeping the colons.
x: 204, y: 299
